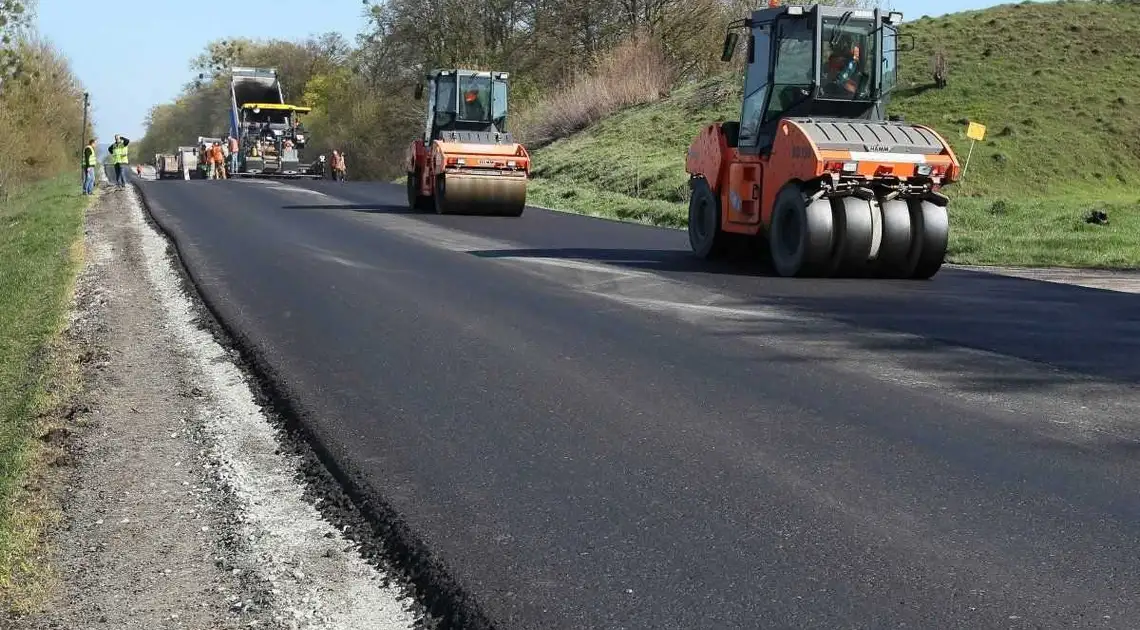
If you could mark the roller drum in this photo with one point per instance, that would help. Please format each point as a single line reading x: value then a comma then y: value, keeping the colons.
x: 480, y: 194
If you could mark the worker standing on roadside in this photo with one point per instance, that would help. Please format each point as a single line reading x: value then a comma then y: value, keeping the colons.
x: 121, y: 159
x: 90, y: 162
x: 338, y: 166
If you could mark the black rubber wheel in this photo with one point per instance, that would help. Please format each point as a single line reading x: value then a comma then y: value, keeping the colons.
x: 440, y: 189
x: 416, y: 201
x: 801, y: 237
x: 854, y: 229
x: 894, y: 259
x: 705, y: 236
x: 931, y: 230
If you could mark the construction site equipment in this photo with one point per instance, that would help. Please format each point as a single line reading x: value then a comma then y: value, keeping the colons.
x: 815, y: 171
x: 166, y: 166
x: 188, y: 163
x: 269, y: 133
x: 466, y: 162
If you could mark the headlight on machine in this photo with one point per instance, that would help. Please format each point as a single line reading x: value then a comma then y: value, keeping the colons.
x: 923, y: 169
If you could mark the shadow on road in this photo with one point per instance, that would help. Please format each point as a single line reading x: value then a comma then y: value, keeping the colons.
x: 355, y: 207
x: 1090, y: 331
x: 666, y: 260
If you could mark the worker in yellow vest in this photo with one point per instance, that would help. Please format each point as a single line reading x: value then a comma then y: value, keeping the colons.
x: 90, y: 162
x: 120, y: 158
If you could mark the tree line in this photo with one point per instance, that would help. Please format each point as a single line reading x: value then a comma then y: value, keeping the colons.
x: 41, y: 103
x: 571, y: 61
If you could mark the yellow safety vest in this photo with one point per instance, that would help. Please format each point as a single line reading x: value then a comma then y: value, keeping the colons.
x: 119, y: 151
x: 89, y: 160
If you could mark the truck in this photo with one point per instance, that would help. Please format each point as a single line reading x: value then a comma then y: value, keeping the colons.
x: 268, y: 130
x: 166, y: 166
x: 187, y: 158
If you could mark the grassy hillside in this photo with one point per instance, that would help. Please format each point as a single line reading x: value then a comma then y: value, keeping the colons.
x: 1053, y: 82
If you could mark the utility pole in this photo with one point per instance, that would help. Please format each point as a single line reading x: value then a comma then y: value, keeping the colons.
x: 83, y: 138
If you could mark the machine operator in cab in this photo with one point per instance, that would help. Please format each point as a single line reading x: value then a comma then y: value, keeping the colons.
x: 842, y: 67
x: 473, y: 106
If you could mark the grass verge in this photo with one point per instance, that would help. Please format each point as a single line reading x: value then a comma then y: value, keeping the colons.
x: 41, y: 251
x: 983, y: 230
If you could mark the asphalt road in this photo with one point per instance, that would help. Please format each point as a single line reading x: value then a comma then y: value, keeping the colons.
x: 592, y: 430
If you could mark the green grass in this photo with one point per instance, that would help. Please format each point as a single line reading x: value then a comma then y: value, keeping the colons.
x: 1060, y: 142
x: 41, y: 230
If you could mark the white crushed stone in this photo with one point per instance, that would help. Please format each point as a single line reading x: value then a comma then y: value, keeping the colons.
x: 292, y: 547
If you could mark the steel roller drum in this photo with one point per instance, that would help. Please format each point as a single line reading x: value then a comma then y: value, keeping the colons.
x: 481, y: 194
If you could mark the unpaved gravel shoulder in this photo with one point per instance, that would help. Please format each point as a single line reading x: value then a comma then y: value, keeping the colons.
x: 180, y: 511
x: 142, y: 540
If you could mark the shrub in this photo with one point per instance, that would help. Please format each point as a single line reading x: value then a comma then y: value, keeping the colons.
x: 633, y: 73
x: 41, y: 111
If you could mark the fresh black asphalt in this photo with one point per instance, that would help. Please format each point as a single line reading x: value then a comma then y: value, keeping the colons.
x: 579, y: 464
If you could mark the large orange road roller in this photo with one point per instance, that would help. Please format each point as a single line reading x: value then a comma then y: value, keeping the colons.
x: 466, y: 162
x: 814, y: 172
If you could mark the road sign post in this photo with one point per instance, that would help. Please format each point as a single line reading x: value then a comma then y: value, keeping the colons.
x: 976, y: 133
x: 83, y: 139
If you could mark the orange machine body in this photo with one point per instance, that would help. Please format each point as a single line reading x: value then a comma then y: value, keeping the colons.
x: 465, y: 159
x: 747, y: 184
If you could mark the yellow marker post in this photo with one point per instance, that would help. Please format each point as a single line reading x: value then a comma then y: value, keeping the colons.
x: 975, y: 132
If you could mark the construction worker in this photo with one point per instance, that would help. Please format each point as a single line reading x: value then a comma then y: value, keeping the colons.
x: 842, y: 68
x: 473, y: 108
x: 218, y: 158
x: 338, y: 167
x: 121, y: 159
x: 233, y: 142
x: 90, y: 163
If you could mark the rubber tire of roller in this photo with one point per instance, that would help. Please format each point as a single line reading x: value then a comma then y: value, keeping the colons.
x: 439, y: 190
x: 931, y: 230
x: 416, y: 201
x: 705, y: 237
x: 894, y: 254
x: 813, y: 234
x: 853, y: 236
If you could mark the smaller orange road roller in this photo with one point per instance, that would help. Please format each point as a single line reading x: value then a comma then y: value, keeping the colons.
x: 466, y: 162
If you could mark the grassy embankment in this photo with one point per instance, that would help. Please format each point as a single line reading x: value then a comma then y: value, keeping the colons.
x: 1052, y: 82
x: 41, y: 237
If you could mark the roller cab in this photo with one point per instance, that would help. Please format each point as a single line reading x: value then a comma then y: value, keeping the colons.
x: 814, y: 170
x: 465, y: 162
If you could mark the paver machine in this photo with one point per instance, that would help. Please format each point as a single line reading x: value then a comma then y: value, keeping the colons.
x: 270, y: 135
x: 466, y: 162
x: 814, y: 169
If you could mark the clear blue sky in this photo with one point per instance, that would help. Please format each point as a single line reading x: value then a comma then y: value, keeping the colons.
x: 133, y: 54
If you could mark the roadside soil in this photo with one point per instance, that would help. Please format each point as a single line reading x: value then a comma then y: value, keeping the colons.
x: 165, y: 522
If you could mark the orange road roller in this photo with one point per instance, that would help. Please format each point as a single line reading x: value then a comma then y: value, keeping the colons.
x: 815, y: 173
x: 466, y: 162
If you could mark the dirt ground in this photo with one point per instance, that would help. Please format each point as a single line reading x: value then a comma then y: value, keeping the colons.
x: 178, y: 509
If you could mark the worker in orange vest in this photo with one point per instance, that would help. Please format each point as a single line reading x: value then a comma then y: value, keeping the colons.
x: 218, y: 158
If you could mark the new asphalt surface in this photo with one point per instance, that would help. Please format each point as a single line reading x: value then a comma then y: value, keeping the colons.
x: 592, y: 430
